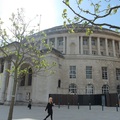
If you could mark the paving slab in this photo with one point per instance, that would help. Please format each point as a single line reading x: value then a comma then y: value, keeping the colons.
x: 62, y: 113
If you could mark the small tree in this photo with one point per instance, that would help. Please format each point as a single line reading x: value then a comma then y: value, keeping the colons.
x: 91, y: 16
x: 20, y: 46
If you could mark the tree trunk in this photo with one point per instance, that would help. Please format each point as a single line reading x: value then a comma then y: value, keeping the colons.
x: 13, y: 96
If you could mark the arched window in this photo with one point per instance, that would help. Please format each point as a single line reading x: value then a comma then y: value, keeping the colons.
x: 72, y: 88
x: 105, y: 89
x: 29, y: 77
x: 89, y: 89
x: 59, y: 83
x: 118, y: 89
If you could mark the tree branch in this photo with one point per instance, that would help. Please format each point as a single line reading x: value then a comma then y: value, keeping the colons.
x: 97, y: 17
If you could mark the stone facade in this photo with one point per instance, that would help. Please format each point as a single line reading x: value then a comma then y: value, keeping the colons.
x: 87, y: 65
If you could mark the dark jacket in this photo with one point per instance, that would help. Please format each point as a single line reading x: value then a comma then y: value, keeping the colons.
x: 49, y: 108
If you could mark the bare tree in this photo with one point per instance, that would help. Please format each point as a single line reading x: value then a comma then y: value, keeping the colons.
x: 20, y: 46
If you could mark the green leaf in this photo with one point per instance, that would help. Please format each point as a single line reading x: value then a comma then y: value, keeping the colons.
x: 64, y: 23
x: 80, y: 1
x: 100, y: 27
x: 115, y: 11
x: 67, y: 2
x: 65, y: 10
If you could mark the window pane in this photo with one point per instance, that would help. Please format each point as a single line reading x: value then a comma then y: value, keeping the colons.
x: 72, y: 72
x: 117, y: 73
x: 52, y: 42
x: 60, y: 41
x: 104, y: 73
x: 89, y: 89
x: 72, y: 88
x: 88, y: 72
x: 105, y: 89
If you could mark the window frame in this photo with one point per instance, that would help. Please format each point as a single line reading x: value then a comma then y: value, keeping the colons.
x: 89, y: 89
x: 89, y: 72
x: 105, y: 89
x: 117, y: 77
x: 104, y: 73
x: 73, y: 88
x: 72, y: 72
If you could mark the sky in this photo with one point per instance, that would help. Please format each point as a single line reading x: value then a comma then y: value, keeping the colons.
x: 49, y: 10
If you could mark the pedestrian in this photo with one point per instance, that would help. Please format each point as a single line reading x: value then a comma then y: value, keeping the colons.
x: 30, y: 104
x: 49, y: 109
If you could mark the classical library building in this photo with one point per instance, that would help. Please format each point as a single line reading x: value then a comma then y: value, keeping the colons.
x: 87, y: 70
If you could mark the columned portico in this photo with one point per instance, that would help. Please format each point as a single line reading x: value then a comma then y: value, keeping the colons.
x: 4, y: 80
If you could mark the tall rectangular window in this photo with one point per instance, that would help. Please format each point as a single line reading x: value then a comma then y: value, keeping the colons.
x: 52, y: 42
x: 102, y: 42
x: 85, y: 40
x: 88, y: 72
x: 93, y: 42
x: 104, y: 73
x: 72, y: 72
x: 60, y: 41
x: 117, y: 73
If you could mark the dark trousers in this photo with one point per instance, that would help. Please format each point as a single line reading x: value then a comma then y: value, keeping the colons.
x: 29, y: 106
x: 49, y: 114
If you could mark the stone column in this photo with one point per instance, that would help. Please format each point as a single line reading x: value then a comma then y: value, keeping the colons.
x: 10, y: 86
x: 90, y: 46
x: 81, y: 45
x: 119, y: 47
x: 48, y: 41
x: 63, y: 45
x: 5, y: 75
x: 98, y: 46
x: 113, y: 44
x: 106, y: 46
x: 56, y: 43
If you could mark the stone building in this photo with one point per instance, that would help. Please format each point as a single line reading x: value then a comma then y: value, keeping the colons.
x: 85, y: 65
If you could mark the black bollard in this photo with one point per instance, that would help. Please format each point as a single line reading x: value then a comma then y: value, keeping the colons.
x: 89, y: 106
x: 68, y: 105
x: 117, y: 107
x: 58, y: 105
x: 78, y: 105
x: 102, y: 107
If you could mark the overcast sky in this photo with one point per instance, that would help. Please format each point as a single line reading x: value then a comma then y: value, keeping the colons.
x: 50, y: 10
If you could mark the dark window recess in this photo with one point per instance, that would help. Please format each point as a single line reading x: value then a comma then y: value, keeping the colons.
x: 59, y: 83
x: 30, y: 77
x: 22, y: 83
x: 2, y: 66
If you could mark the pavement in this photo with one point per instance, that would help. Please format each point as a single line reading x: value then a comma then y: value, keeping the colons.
x: 62, y: 113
